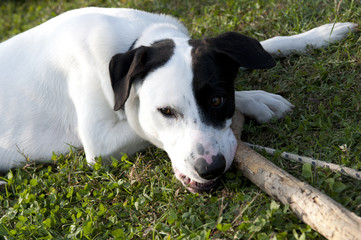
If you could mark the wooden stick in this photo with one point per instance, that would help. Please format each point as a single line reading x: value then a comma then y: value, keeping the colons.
x: 315, y: 162
x: 319, y: 211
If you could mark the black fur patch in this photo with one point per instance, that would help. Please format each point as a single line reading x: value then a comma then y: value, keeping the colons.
x: 213, y: 77
x: 124, y: 68
x: 215, y: 63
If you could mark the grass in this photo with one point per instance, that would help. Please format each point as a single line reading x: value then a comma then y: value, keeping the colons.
x: 138, y: 197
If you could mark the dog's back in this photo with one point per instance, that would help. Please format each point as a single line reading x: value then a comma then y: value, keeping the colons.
x: 44, y: 71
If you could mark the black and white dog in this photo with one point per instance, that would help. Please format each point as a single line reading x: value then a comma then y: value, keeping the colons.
x: 115, y: 80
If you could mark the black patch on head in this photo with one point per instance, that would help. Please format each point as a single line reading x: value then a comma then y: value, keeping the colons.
x: 216, y: 62
x: 213, y: 77
x: 125, y: 68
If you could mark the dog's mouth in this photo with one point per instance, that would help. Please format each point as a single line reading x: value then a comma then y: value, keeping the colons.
x: 194, y: 186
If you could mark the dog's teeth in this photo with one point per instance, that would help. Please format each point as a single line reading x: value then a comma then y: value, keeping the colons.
x: 187, y: 180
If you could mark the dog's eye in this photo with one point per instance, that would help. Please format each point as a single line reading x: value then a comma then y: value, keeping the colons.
x: 216, y: 101
x: 167, y: 111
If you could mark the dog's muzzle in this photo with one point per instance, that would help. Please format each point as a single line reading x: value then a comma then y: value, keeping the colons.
x: 209, y: 171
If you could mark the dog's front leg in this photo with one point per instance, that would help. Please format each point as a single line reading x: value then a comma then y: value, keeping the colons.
x: 319, y: 37
x: 261, y: 105
x: 104, y: 137
x: 101, y: 130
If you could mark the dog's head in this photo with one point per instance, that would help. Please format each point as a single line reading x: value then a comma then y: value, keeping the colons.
x: 179, y: 95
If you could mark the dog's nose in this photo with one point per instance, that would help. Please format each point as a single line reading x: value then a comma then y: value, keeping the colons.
x: 212, y: 170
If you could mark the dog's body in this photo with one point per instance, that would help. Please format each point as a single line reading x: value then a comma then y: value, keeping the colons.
x: 114, y: 80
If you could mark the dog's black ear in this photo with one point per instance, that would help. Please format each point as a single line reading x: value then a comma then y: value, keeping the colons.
x: 246, y: 51
x: 124, y: 68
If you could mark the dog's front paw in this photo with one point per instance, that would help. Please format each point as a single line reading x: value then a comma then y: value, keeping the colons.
x: 330, y: 33
x: 261, y: 105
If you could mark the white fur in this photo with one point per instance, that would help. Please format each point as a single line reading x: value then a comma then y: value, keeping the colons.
x: 261, y: 105
x: 322, y: 36
x: 55, y: 90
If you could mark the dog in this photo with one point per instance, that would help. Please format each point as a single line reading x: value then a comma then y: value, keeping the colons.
x: 117, y: 80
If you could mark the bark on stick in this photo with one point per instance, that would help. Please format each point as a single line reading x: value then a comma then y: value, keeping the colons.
x: 316, y: 209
